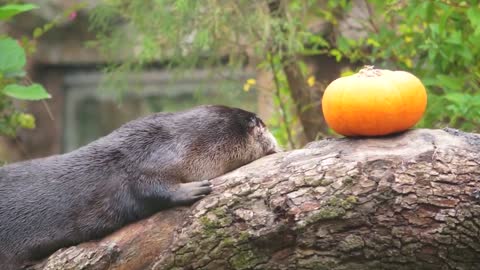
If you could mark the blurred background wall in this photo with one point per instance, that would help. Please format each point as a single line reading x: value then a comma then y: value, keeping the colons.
x: 81, y: 110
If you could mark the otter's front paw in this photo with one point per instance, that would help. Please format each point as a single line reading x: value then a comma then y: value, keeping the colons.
x: 188, y: 193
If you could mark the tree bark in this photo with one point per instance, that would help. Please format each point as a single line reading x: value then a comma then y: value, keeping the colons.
x: 408, y: 201
x: 307, y: 102
x: 307, y: 99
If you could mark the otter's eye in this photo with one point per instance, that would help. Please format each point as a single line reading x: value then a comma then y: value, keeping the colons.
x: 252, y: 122
x: 260, y: 122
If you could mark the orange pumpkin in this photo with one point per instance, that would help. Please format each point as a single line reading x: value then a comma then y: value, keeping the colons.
x: 374, y: 102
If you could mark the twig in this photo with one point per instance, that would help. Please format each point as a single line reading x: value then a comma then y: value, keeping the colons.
x: 50, y: 114
x: 454, y: 4
x: 27, y: 78
x: 280, y: 102
x: 370, y: 14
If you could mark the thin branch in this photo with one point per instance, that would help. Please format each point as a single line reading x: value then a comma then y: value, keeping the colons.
x: 50, y: 114
x: 47, y: 108
x: 454, y: 4
x: 280, y: 102
x: 370, y: 18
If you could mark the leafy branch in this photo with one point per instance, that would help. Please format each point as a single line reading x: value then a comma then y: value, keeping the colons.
x: 14, y: 82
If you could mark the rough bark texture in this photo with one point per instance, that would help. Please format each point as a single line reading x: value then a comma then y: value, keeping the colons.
x: 307, y: 102
x: 409, y: 201
x: 307, y: 99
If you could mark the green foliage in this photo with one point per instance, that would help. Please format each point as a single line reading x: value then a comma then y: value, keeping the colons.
x: 31, y: 92
x: 438, y: 41
x: 282, y: 123
x: 12, y: 64
x: 189, y: 34
x: 13, y: 59
x: 8, y: 11
x: 14, y: 84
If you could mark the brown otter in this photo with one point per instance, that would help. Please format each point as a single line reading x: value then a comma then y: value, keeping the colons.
x: 152, y: 163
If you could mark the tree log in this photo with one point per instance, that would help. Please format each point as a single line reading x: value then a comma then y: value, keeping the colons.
x: 408, y: 201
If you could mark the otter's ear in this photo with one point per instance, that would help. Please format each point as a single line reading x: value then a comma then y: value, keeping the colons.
x: 251, y: 123
x: 254, y: 122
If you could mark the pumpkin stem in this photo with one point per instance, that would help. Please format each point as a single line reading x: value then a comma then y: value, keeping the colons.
x: 369, y: 71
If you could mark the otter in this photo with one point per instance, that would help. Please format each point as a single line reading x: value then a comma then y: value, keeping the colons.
x: 149, y: 164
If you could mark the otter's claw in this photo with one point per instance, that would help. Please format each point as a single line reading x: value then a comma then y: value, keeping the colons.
x: 188, y: 193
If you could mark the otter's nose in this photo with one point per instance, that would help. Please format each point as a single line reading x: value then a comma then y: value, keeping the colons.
x: 274, y: 150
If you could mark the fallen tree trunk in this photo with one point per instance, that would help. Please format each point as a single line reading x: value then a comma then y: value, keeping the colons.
x: 409, y: 201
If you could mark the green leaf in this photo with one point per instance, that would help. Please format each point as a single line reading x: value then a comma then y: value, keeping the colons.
x: 337, y: 54
x: 48, y: 26
x: 342, y: 44
x: 473, y: 15
x: 429, y: 11
x: 459, y: 99
x: 31, y: 92
x: 318, y: 40
x: 15, y: 74
x: 37, y: 32
x: 455, y: 38
x: 182, y: 5
x: 450, y: 83
x: 202, y: 39
x: 373, y: 42
x: 12, y: 56
x: 8, y: 11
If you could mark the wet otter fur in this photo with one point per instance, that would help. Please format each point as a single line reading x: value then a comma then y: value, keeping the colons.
x: 149, y: 164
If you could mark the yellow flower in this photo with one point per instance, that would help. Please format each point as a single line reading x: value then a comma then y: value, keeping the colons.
x: 251, y: 81
x: 408, y: 39
x: 311, y: 81
x: 346, y: 72
x: 408, y: 62
x: 248, y: 84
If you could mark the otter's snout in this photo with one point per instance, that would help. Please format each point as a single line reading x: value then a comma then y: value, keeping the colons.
x: 265, y: 142
x: 273, y: 145
x: 273, y: 151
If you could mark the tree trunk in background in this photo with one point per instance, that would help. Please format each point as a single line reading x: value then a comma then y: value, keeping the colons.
x: 409, y: 201
x: 307, y: 99
x: 308, y: 102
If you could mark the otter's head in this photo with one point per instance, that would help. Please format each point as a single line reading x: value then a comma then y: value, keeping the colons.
x: 262, y: 141
x: 248, y: 135
x: 200, y: 143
